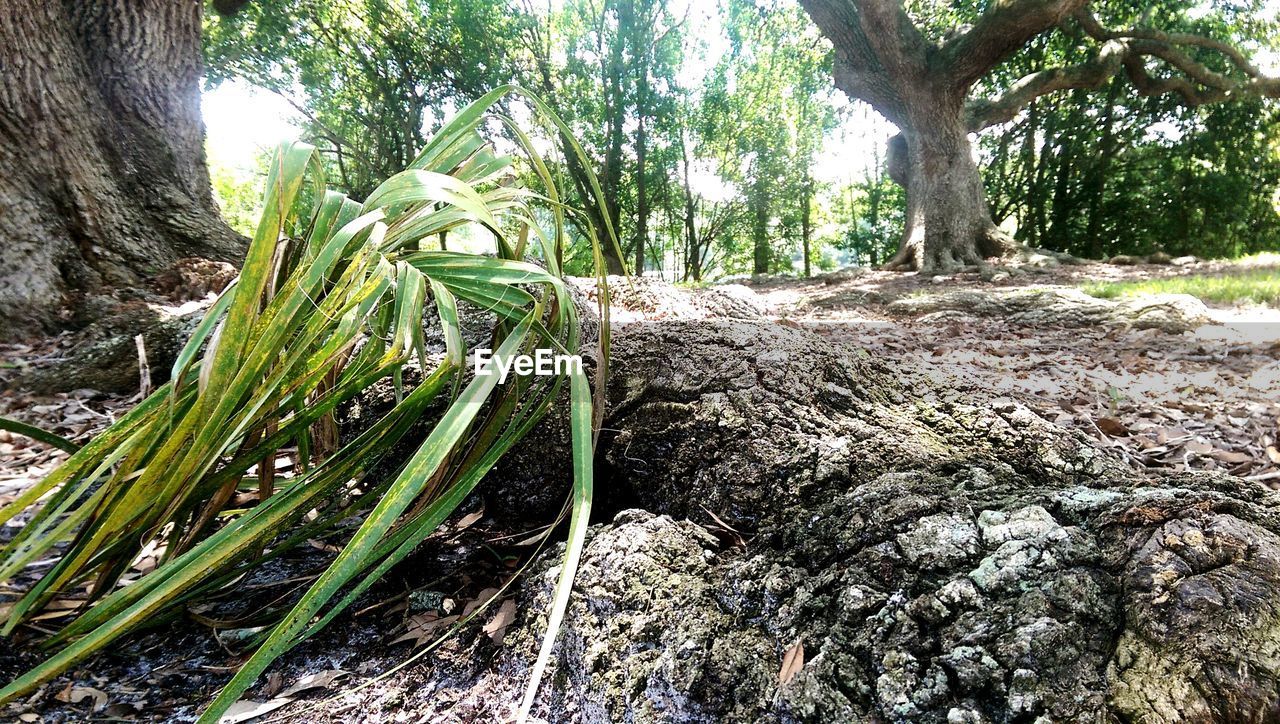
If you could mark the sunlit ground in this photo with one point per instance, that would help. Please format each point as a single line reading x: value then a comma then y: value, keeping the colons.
x: 1251, y: 280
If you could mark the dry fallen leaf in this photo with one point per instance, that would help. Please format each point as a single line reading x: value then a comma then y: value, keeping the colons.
x: 317, y: 680
x: 1112, y: 426
x: 423, y: 626
x: 275, y: 682
x: 497, y: 627
x: 1199, y: 447
x: 468, y: 520
x: 245, y: 709
x: 77, y: 694
x: 322, y: 546
x: 1230, y: 458
x: 480, y: 599
x: 792, y: 662
x: 59, y: 609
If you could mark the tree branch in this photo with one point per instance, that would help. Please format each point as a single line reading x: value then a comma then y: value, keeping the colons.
x: 876, y: 44
x: 1201, y: 84
x: 1093, y: 73
x: 1006, y: 27
x: 839, y: 20
x: 898, y: 43
x: 1095, y: 29
x: 1213, y: 86
x: 1197, y: 84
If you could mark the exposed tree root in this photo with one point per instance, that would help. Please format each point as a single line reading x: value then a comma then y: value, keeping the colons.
x: 937, y: 558
x: 1174, y: 313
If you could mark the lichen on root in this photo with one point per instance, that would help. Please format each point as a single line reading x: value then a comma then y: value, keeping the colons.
x: 939, y: 557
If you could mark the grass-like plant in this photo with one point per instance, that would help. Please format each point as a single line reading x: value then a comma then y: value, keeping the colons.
x: 332, y: 297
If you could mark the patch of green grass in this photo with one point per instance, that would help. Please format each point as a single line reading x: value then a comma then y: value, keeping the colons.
x: 1250, y: 285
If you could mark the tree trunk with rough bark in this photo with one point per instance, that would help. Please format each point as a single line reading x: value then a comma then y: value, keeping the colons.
x: 790, y: 529
x: 948, y: 223
x: 1097, y: 177
x: 642, y: 197
x: 102, y: 165
x: 693, y: 250
x: 611, y: 70
x: 920, y: 552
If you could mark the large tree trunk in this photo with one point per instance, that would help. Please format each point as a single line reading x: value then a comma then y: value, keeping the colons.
x: 615, y: 111
x: 948, y: 223
x: 102, y: 167
x: 915, y: 550
x: 933, y: 553
x: 920, y: 79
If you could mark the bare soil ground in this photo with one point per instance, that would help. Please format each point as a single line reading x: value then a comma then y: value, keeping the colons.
x: 1207, y: 399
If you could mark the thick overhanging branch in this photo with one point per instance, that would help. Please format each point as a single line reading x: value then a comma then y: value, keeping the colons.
x: 898, y: 43
x: 1199, y: 84
x: 840, y: 21
x: 871, y: 86
x: 877, y: 47
x: 1094, y: 73
x: 1194, y: 82
x: 1006, y: 27
x: 1094, y: 29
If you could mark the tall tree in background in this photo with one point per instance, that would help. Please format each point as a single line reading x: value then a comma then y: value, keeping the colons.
x: 919, y: 73
x: 655, y: 53
x: 577, y: 57
x: 866, y: 207
x: 605, y: 65
x: 102, y: 167
x: 370, y: 77
x: 1108, y: 174
x: 812, y: 117
x: 768, y: 96
x: 704, y: 224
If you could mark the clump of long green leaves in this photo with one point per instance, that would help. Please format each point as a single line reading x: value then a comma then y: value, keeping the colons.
x: 332, y: 297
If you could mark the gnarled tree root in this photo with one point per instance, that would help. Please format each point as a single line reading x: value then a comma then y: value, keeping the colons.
x: 936, y: 557
x: 1062, y: 307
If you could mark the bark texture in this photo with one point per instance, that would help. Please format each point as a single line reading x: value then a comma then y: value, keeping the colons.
x: 104, y: 354
x: 948, y: 224
x: 937, y: 557
x: 106, y: 358
x: 102, y: 166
